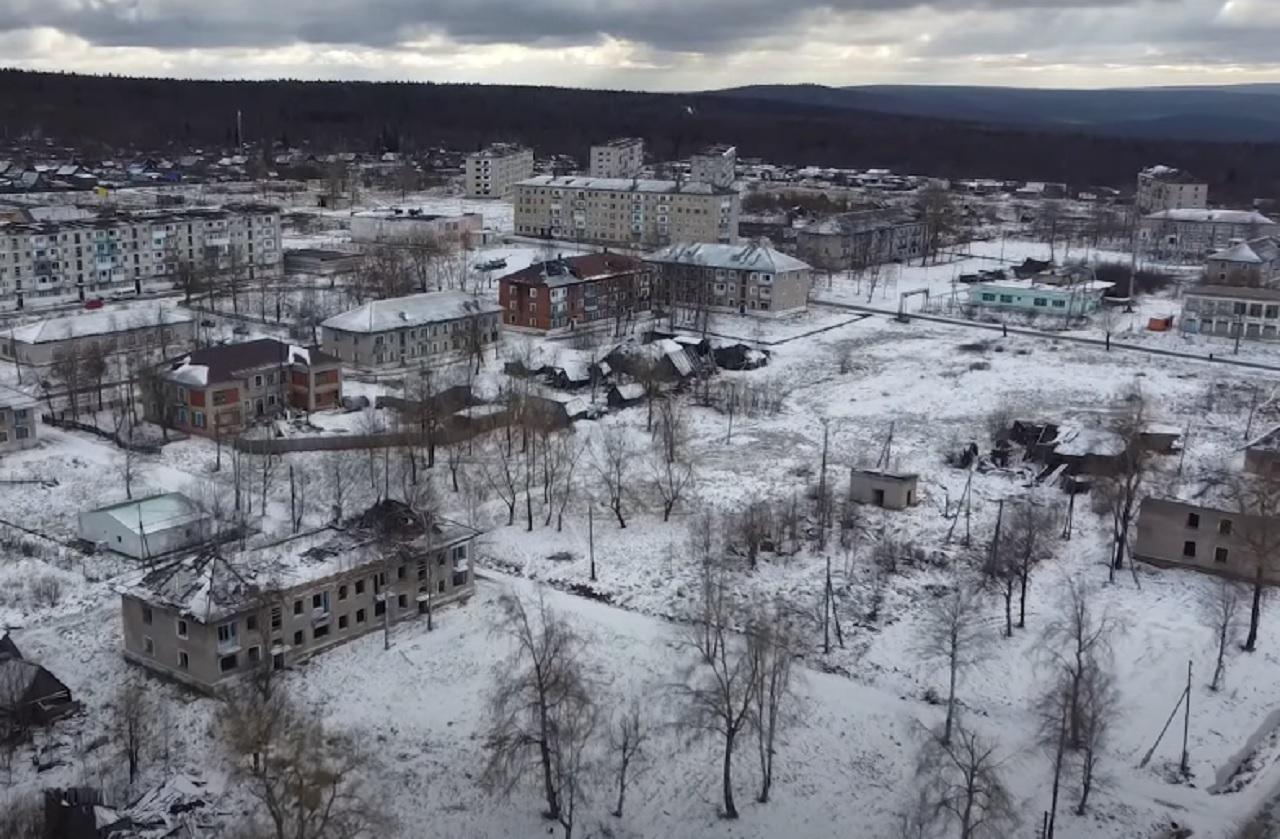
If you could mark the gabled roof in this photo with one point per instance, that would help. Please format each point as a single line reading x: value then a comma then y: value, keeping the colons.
x: 100, y: 322
x: 154, y: 513
x: 568, y: 270
x: 1253, y: 252
x: 750, y: 257
x: 1268, y: 295
x: 413, y: 310
x: 223, y: 362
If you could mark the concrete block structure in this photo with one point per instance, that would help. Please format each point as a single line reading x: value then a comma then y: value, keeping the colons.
x: 494, y: 171
x: 209, y: 620
x: 151, y: 332
x: 575, y: 291
x: 1194, y: 234
x: 1167, y: 188
x: 431, y: 328
x: 42, y: 263
x: 634, y: 212
x: 19, y: 420
x: 1253, y: 263
x: 221, y: 390
x: 1176, y: 534
x: 399, y: 226
x: 861, y: 239
x: 143, y: 528
x: 715, y: 166
x: 890, y: 490
x: 622, y: 157
x: 746, y: 278
x: 1231, y: 312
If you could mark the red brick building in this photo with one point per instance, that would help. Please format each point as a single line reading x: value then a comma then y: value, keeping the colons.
x: 221, y: 390
x: 575, y: 291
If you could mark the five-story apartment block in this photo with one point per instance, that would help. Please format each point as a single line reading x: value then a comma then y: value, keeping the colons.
x: 46, y: 262
x: 494, y: 171
x: 619, y: 158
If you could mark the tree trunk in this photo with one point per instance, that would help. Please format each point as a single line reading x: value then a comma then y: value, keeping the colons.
x: 617, y: 512
x: 1008, y: 609
x: 1022, y: 600
x: 1086, y: 782
x: 730, y: 811
x: 1255, y: 614
x: 951, y: 702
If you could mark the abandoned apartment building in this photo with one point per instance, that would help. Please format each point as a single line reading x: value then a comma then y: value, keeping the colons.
x: 207, y: 619
x: 1177, y: 534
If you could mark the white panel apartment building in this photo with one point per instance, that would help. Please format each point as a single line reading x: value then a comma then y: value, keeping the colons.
x: 620, y: 158
x: 714, y: 165
x: 494, y: 171
x: 625, y: 211
x: 1166, y: 188
x: 43, y: 263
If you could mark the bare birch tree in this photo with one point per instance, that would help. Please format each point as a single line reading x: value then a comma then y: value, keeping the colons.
x: 953, y: 633
x: 629, y: 742
x: 1078, y: 639
x: 774, y: 701
x: 1257, y: 500
x: 963, y: 782
x: 1220, y: 606
x: 1121, y: 491
x: 613, y: 462
x: 539, y: 707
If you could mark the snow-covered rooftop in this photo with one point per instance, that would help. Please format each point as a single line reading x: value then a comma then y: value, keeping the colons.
x: 416, y: 309
x: 99, y: 322
x: 1253, y: 252
x: 751, y: 257
x: 624, y: 185
x: 1033, y: 284
x: 153, y: 514
x: 1191, y: 214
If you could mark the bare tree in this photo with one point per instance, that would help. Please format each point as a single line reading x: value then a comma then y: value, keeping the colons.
x: 671, y: 463
x: 1122, y: 490
x: 963, y: 783
x: 501, y: 469
x: 1073, y: 642
x: 568, y: 454
x: 540, y: 710
x: 1030, y: 543
x: 719, y: 686
x: 613, y: 462
x: 131, y: 724
x: 1257, y: 499
x: 940, y: 217
x: 629, y: 741
x: 1099, y: 702
x: 1220, y: 606
x: 774, y: 701
x: 307, y: 779
x: 953, y: 633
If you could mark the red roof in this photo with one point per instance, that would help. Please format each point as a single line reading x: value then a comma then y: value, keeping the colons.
x: 575, y: 269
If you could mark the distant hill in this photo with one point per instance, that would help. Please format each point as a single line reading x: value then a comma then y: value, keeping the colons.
x: 1222, y: 113
x: 964, y: 132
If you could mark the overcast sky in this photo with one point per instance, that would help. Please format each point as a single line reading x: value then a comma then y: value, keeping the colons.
x: 657, y: 44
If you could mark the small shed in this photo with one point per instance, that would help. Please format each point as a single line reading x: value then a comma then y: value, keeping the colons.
x: 622, y: 396
x: 145, y: 527
x: 29, y: 694
x: 890, y: 490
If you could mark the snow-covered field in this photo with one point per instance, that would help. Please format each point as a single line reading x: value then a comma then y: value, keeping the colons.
x: 847, y: 767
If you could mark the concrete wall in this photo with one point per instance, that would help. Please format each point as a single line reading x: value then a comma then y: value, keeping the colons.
x: 899, y: 492
x: 1169, y: 531
x: 15, y: 422
x: 302, y: 628
x: 422, y: 343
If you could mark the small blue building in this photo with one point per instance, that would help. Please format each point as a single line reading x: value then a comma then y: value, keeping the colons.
x: 1031, y: 296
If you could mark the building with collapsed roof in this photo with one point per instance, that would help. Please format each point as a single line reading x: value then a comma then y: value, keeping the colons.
x: 861, y: 238
x: 221, y: 390
x: 208, y: 619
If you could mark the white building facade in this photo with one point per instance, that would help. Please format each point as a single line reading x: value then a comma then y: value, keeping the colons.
x: 1166, y: 188
x: 494, y: 171
x: 715, y: 165
x: 619, y: 158
x: 43, y: 263
x: 431, y: 328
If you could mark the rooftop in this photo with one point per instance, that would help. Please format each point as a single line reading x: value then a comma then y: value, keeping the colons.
x: 210, y: 587
x: 223, y: 362
x: 415, y: 309
x: 1032, y: 284
x: 624, y: 185
x: 568, y: 270
x: 1190, y: 214
x: 620, y: 142
x: 12, y: 398
x: 1253, y: 252
x: 1234, y: 292
x: 104, y: 321
x: 751, y: 256
x: 1170, y: 175
x: 153, y: 514
x: 500, y: 150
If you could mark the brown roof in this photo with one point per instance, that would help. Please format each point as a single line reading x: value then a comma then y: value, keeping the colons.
x: 576, y: 269
x: 225, y: 360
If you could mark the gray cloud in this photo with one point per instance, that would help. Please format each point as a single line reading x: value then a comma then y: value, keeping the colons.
x: 671, y: 25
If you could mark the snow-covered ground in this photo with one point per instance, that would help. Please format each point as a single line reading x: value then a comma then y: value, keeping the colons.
x: 847, y: 767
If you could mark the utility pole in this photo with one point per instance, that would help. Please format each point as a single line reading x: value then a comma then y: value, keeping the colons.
x: 822, y: 491
x: 1185, y: 766
x: 591, y: 536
